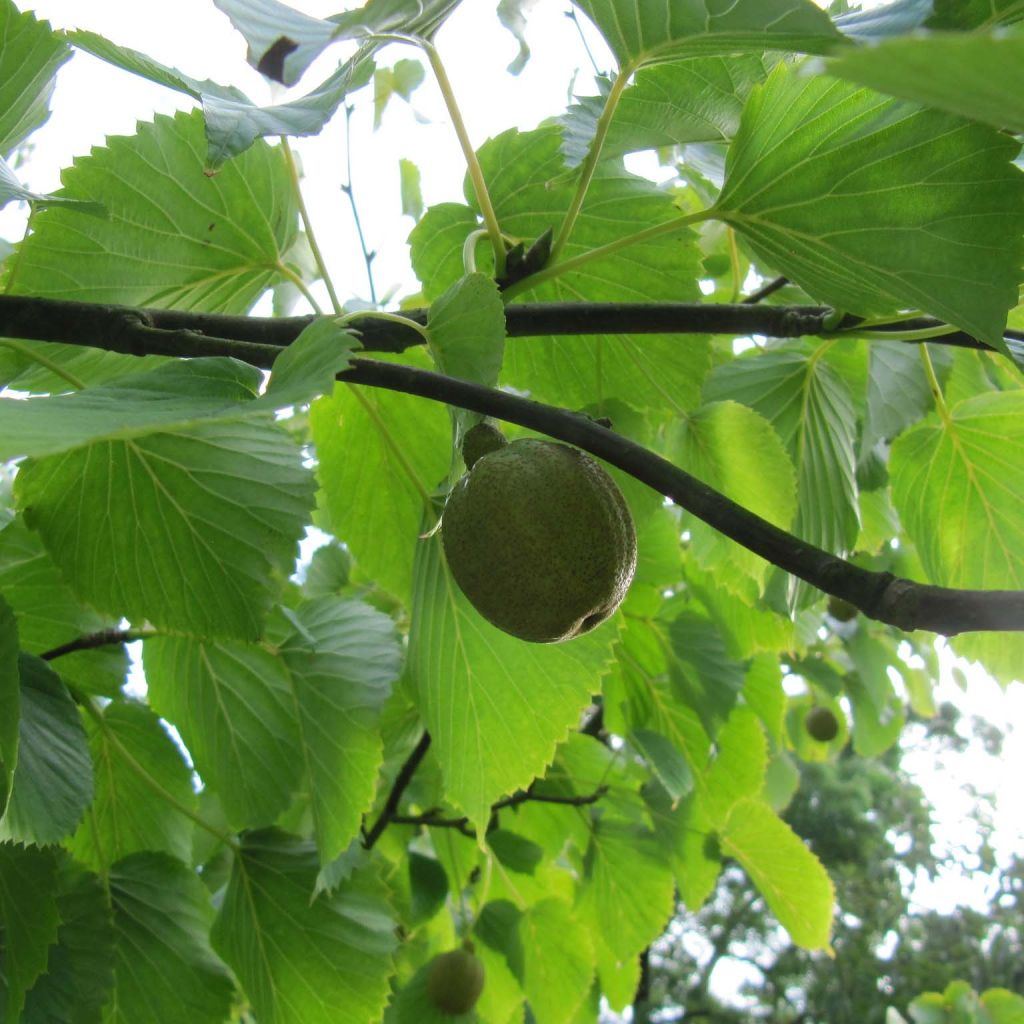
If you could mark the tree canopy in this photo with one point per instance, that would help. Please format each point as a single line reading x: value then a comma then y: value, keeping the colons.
x: 799, y: 356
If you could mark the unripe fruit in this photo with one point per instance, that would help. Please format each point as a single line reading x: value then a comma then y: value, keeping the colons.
x: 455, y: 981
x: 841, y: 610
x: 540, y: 540
x: 481, y: 440
x: 821, y: 724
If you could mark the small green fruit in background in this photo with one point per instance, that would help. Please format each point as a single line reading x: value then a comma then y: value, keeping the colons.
x: 540, y: 539
x: 841, y: 610
x: 455, y: 980
x: 821, y: 724
x: 481, y: 440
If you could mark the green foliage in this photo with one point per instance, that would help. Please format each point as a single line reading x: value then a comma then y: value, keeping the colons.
x: 321, y: 772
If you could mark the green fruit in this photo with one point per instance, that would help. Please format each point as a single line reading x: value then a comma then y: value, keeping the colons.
x: 481, y: 440
x: 841, y: 610
x: 821, y: 724
x: 455, y: 981
x: 540, y: 539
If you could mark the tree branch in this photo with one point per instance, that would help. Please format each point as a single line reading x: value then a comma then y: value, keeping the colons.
x: 90, y: 641
x: 137, y: 331
x: 431, y: 819
x: 898, y: 602
x: 402, y: 780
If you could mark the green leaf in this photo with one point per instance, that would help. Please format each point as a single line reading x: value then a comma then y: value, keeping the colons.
x: 495, y: 706
x: 182, y: 529
x: 233, y: 706
x: 871, y: 204
x: 49, y: 614
x: 11, y: 188
x: 164, y: 968
x: 135, y: 759
x: 794, y: 884
x: 627, y: 895
x: 558, y: 961
x: 53, y: 781
x: 233, y: 121
x: 307, y: 367
x: 651, y: 32
x: 466, y: 329
x: 175, y: 237
x: 300, y: 962
x: 525, y: 173
x: 30, y: 54
x: 809, y: 406
x: 704, y: 677
x: 80, y: 971
x: 956, y: 486
x: 412, y: 195
x: 281, y: 42
x: 29, y: 916
x: 342, y: 658
x: 982, y: 79
x: 696, y: 100
x: 380, y: 455
x: 10, y: 699
x: 734, y: 449
x: 175, y: 394
x: 738, y: 770
x: 515, y: 852
x: 410, y: 17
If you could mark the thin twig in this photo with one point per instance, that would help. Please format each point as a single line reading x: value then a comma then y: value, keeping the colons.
x: 90, y: 641
x: 347, y: 188
x: 431, y: 819
x: 766, y: 289
x: 402, y: 780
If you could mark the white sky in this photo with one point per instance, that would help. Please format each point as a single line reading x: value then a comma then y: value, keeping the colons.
x: 94, y: 100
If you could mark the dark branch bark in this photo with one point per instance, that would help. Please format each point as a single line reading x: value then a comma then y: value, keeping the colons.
x: 431, y: 819
x: 176, y: 332
x: 898, y: 602
x: 402, y: 780
x: 90, y: 641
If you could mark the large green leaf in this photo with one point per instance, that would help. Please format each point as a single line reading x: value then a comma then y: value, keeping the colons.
x: 525, y: 175
x: 735, y: 450
x: 80, y: 970
x: 49, y: 614
x: 175, y: 394
x: 558, y: 961
x: 872, y: 204
x: 271, y: 27
x: 165, y: 971
x: 983, y: 74
x: 303, y: 961
x: 28, y: 919
x: 11, y: 188
x: 380, y: 455
x: 182, y: 529
x: 696, y: 100
x: 175, y: 236
x: 644, y: 32
x: 957, y: 482
x: 628, y: 893
x: 143, y: 790
x: 791, y: 879
x: 809, y: 406
x: 233, y: 706
x: 10, y: 699
x: 233, y: 121
x: 53, y: 781
x: 495, y: 706
x: 342, y: 658
x: 30, y: 54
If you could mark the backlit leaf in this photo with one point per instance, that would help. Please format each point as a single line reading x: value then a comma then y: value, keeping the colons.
x: 132, y: 752
x: 872, y: 204
x: 53, y: 781
x: 303, y: 961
